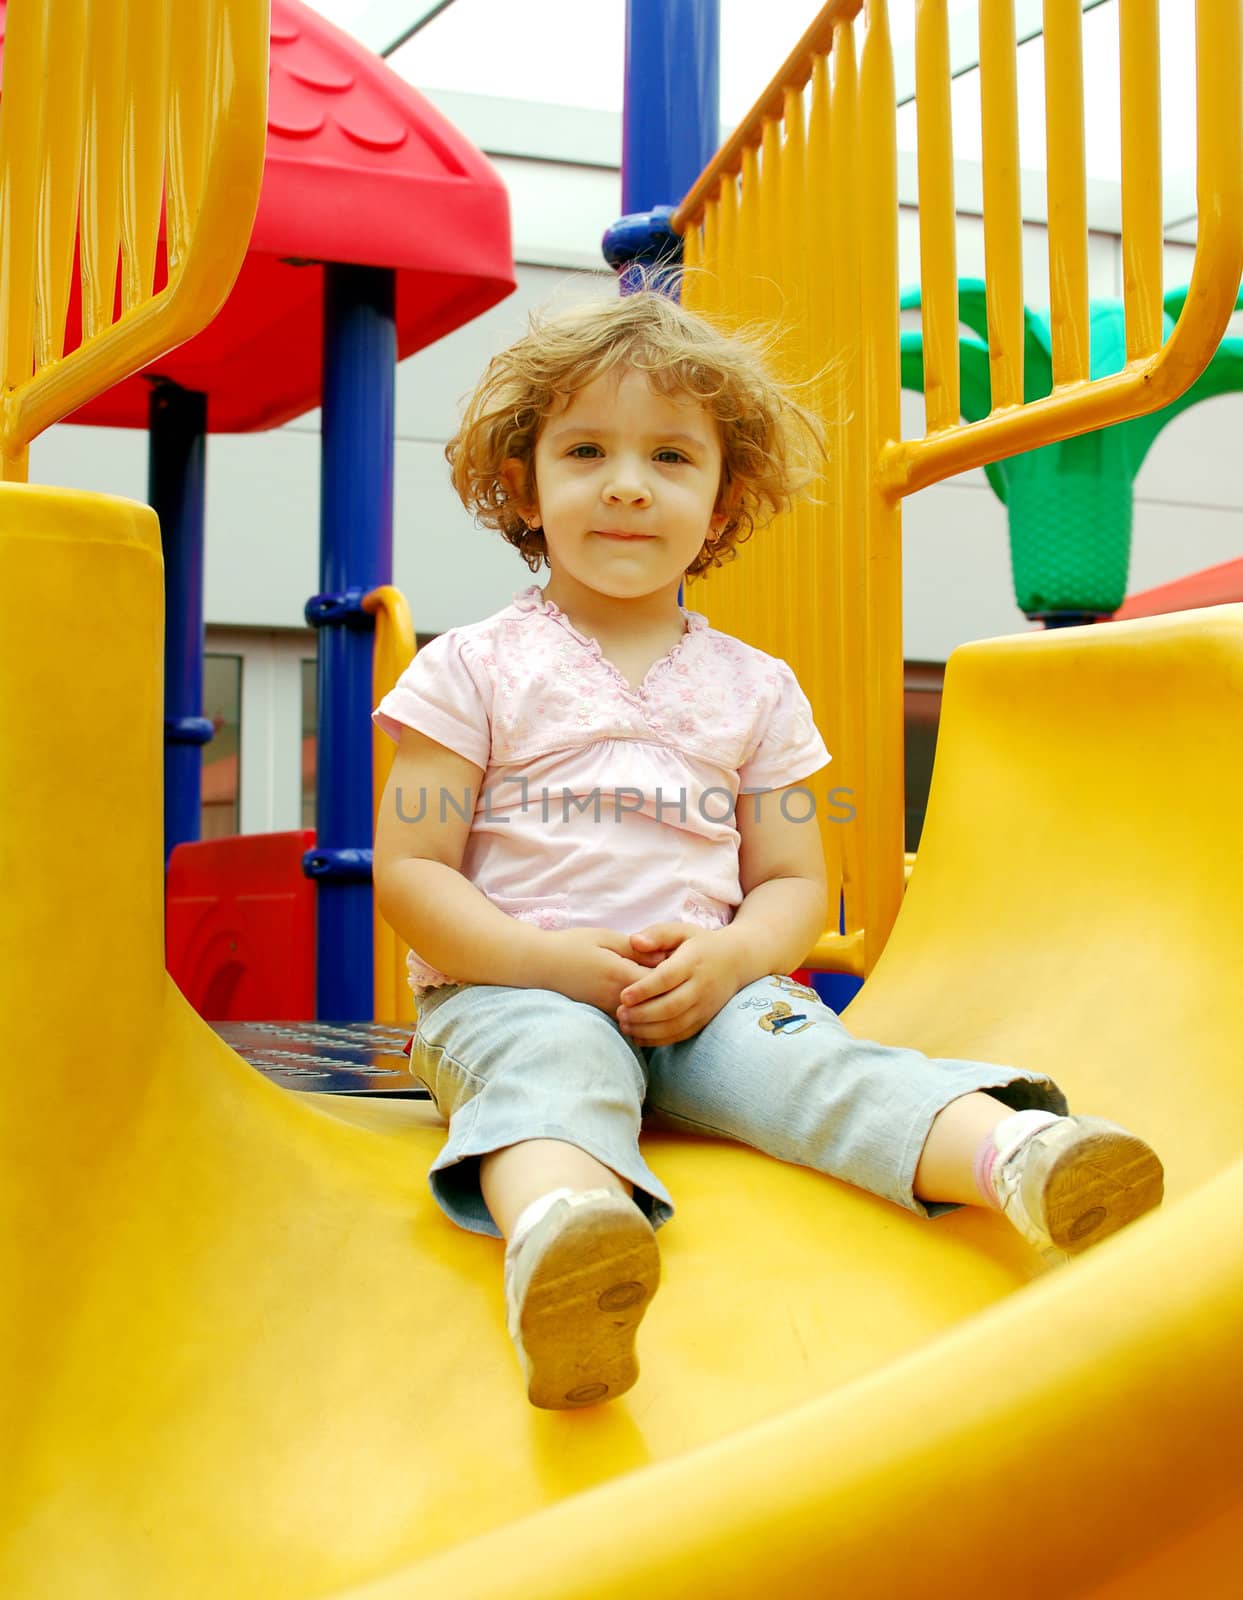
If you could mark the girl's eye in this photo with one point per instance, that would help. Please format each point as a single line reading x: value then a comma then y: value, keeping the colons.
x: 666, y: 456
x: 585, y: 452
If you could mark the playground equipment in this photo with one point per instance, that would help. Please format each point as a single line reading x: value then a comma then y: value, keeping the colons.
x: 1069, y: 504
x: 379, y: 229
x: 795, y: 222
x: 66, y: 124
x: 239, y: 926
x: 245, y: 1353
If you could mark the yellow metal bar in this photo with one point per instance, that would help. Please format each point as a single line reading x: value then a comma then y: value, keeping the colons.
x: 794, y: 352
x: 772, y: 310
x: 1067, y: 190
x: 692, y: 250
x: 937, y: 253
x: 768, y: 257
x: 824, y: 685
x: 793, y: 262
x: 750, y: 224
x: 737, y: 607
x: 187, y: 146
x: 701, y: 285
x: 793, y: 73
x: 729, y: 250
x: 750, y: 238
x: 1218, y: 265
x: 58, y: 195
x: 795, y: 599
x: 101, y: 170
x: 1003, y: 221
x: 22, y: 130
x: 848, y: 458
x: 882, y: 663
x: 1142, y: 234
x: 709, y: 234
x: 143, y: 172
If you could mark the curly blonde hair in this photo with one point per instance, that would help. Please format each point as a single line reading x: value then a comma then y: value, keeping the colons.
x: 771, y: 445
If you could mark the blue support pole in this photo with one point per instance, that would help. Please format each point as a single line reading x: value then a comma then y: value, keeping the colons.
x: 176, y: 491
x: 672, y: 110
x: 356, y: 554
x: 670, y: 124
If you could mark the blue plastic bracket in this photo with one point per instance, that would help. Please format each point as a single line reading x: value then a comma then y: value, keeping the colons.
x: 344, y: 610
x: 189, y: 730
x: 338, y: 866
x: 643, y: 239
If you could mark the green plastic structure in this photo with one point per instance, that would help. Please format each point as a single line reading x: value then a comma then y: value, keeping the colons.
x: 1070, y: 504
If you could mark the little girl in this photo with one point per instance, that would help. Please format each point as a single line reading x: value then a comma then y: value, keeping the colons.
x: 586, y: 843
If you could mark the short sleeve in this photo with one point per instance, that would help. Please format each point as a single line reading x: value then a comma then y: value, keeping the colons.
x: 790, y: 746
x: 445, y: 695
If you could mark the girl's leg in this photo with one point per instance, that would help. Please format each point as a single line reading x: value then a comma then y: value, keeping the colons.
x: 544, y: 1103
x: 540, y: 1094
x: 1064, y: 1182
x: 513, y: 1178
x: 949, y: 1162
x: 776, y: 1069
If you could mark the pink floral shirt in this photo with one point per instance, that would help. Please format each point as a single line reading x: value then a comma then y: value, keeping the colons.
x: 603, y: 805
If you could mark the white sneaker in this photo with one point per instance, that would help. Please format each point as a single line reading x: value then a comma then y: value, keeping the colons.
x: 1072, y: 1181
x: 576, y: 1286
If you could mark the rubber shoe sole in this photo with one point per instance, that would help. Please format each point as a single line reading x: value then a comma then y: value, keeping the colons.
x: 1083, y: 1179
x: 591, y: 1277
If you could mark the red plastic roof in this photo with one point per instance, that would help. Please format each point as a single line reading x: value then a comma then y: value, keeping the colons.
x: 1214, y: 586
x: 360, y: 168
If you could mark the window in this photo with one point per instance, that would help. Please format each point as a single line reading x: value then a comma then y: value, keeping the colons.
x: 222, y: 706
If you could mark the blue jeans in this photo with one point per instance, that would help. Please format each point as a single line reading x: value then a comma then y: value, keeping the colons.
x: 775, y: 1069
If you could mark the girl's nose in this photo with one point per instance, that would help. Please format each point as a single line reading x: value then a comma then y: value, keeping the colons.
x: 627, y: 489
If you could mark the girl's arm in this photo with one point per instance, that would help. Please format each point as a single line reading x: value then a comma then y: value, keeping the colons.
x: 781, y: 865
x: 785, y: 895
x: 421, y: 833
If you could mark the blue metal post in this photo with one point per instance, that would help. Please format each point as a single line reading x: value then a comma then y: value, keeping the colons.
x: 356, y: 554
x: 176, y: 488
x: 670, y: 123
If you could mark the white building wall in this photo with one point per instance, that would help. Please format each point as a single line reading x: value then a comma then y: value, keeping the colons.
x: 560, y: 165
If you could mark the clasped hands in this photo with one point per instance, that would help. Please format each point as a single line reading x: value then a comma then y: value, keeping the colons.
x: 662, y: 984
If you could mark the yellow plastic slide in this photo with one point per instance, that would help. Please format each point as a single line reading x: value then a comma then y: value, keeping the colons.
x: 244, y: 1354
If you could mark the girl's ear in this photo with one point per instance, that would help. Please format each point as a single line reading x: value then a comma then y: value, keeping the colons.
x: 516, y: 479
x: 722, y: 516
x: 726, y: 508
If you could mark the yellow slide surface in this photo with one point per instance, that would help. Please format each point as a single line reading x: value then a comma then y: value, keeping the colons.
x: 244, y: 1354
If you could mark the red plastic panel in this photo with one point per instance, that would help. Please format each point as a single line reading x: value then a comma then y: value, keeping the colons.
x: 240, y: 927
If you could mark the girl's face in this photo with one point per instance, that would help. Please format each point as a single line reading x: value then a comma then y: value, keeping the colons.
x: 626, y: 487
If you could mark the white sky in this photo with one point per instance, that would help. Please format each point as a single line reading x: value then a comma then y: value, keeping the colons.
x: 570, y: 52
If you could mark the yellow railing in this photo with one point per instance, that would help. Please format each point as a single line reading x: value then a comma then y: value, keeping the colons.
x: 795, y: 221
x: 394, y: 651
x: 114, y: 110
